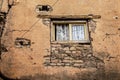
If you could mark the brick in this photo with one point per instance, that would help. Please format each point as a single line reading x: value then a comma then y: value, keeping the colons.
x: 72, y: 48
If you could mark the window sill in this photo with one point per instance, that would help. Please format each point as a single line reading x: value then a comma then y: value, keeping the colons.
x: 82, y: 42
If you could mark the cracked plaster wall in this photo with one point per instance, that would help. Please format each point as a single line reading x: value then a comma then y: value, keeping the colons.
x: 19, y: 62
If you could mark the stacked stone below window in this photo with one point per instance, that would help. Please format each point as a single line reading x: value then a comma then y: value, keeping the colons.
x: 70, y: 54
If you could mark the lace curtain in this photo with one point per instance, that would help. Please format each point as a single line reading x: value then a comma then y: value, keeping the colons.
x: 62, y: 32
x: 78, y: 32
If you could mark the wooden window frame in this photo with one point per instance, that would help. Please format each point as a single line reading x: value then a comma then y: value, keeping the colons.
x: 86, y: 30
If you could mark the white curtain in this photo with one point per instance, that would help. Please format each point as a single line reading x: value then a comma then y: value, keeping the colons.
x: 62, y: 32
x: 78, y: 32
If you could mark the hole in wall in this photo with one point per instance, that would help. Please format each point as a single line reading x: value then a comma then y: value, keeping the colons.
x: 43, y: 8
x: 22, y: 42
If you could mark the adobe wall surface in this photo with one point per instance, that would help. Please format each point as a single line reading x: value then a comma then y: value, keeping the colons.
x: 28, y: 62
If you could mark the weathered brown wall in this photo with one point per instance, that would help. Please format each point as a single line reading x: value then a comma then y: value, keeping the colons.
x: 18, y: 62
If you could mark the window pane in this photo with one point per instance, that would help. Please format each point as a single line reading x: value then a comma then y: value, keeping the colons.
x: 62, y: 32
x: 78, y: 32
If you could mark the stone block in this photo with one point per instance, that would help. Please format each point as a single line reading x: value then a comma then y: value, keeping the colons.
x: 53, y: 48
x: 79, y: 61
x: 67, y: 64
x: 66, y: 48
x: 78, y: 52
x: 75, y: 45
x: 66, y: 60
x: 79, y: 48
x: 4, y: 7
x: 87, y: 46
x: 68, y: 51
x: 72, y: 48
x: 56, y: 52
x: 59, y: 64
x: 52, y: 64
x: 77, y: 65
x: 55, y: 61
x: 56, y: 45
x: 73, y: 52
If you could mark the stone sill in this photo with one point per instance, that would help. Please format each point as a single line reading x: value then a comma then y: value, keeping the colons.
x: 64, y: 42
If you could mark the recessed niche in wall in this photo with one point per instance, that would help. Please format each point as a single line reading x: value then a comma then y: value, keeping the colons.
x: 22, y: 42
x: 43, y: 9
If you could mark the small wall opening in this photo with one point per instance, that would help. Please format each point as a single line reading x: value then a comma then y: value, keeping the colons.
x: 22, y: 42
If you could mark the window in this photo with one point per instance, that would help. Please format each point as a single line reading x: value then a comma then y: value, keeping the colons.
x: 69, y: 31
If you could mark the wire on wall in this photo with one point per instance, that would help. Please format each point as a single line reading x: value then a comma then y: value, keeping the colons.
x: 55, y: 3
x: 33, y: 25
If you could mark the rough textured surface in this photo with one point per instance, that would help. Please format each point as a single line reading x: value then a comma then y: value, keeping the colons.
x: 73, y: 55
x: 28, y: 62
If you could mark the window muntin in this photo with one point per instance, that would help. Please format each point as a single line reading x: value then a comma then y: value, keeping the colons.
x: 69, y: 31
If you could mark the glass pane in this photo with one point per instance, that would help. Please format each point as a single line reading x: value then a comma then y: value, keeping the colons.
x: 62, y: 32
x: 78, y: 32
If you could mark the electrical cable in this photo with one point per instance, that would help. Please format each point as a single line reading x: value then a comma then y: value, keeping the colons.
x: 55, y: 3
x: 30, y: 28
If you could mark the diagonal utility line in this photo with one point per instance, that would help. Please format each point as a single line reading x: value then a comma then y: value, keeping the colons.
x: 30, y: 28
x: 55, y: 3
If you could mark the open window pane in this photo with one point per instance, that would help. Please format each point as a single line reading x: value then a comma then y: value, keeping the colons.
x: 62, y: 32
x: 78, y: 32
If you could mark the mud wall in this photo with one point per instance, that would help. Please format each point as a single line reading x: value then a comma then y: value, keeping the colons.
x: 22, y: 22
